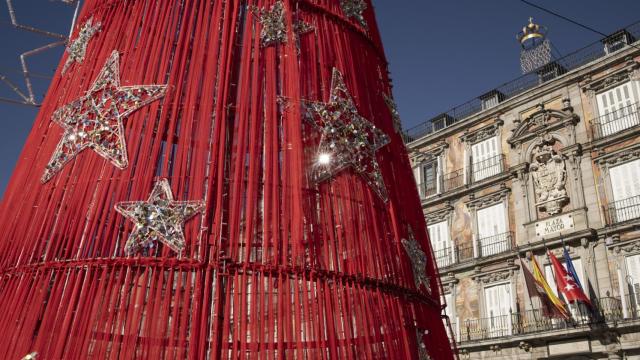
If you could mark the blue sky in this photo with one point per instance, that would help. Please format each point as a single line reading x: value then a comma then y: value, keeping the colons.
x: 442, y: 53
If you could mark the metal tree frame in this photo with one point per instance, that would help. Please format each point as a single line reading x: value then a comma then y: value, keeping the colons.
x: 26, y: 95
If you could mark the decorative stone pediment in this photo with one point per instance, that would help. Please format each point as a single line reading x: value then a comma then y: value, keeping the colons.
x: 485, y: 132
x: 549, y: 174
x: 431, y: 153
x: 631, y: 70
x: 628, y: 248
x: 619, y: 157
x: 488, y: 200
x: 439, y: 215
x: 495, y: 276
x: 542, y: 122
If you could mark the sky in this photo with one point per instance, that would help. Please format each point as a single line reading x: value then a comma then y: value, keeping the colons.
x: 441, y: 53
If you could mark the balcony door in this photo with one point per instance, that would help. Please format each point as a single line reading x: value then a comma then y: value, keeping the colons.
x: 498, y: 309
x: 485, y: 159
x: 441, y: 243
x: 633, y: 282
x: 625, y: 186
x: 492, y: 230
x: 617, y: 108
x: 426, y: 175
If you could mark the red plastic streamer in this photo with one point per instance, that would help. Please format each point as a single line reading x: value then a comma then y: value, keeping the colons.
x: 276, y: 267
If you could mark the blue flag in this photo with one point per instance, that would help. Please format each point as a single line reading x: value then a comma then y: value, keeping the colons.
x: 570, y: 269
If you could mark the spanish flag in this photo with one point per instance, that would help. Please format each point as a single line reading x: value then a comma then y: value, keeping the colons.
x: 558, y: 305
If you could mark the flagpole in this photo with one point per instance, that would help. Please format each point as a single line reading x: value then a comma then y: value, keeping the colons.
x: 533, y: 310
x: 553, y: 273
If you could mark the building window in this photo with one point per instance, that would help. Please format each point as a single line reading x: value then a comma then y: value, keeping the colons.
x: 633, y: 281
x: 497, y: 300
x: 441, y: 243
x: 427, y: 177
x: 449, y: 311
x: 486, y: 159
x: 625, y: 187
x: 617, y: 109
x: 493, y: 237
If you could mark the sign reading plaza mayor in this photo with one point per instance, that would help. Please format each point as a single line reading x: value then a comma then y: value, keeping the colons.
x: 554, y: 225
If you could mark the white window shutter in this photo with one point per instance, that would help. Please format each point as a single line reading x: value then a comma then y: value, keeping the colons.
x: 633, y: 276
x: 614, y: 108
x: 483, y: 158
x: 625, y: 186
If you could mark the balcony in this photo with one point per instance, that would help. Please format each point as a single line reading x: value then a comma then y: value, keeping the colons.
x: 534, y: 321
x: 451, y: 256
x: 616, y: 121
x: 623, y: 210
x: 444, y: 257
x: 453, y: 180
x: 427, y: 189
x: 495, y: 244
x: 487, y: 168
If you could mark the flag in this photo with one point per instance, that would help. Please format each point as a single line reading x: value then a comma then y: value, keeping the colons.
x: 570, y: 269
x: 567, y: 283
x: 557, y: 304
x: 537, y: 290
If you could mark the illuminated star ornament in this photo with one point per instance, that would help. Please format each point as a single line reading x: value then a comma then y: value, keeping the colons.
x: 95, y: 120
x: 393, y: 108
x: 160, y: 218
x: 355, y: 8
x: 274, y: 29
x: 418, y: 263
x: 77, y: 49
x: 423, y: 354
x: 31, y: 356
x: 348, y: 139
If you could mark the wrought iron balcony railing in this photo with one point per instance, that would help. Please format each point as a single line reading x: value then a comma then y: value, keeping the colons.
x: 534, y: 321
x: 487, y: 168
x: 623, y: 210
x: 616, y: 121
x: 453, y: 255
x: 427, y: 189
x: 496, y: 244
x: 453, y: 180
x: 444, y: 257
x: 527, y: 81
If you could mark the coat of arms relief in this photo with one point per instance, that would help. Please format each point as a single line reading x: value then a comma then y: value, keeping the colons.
x: 549, y: 175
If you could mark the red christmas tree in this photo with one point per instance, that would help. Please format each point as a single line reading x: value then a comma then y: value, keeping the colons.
x: 218, y: 179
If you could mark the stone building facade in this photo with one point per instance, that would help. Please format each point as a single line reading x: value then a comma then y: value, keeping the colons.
x: 548, y: 160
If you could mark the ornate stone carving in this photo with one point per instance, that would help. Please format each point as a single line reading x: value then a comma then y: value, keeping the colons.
x: 549, y: 175
x: 542, y: 122
x: 629, y: 71
x: 431, y: 153
x: 496, y: 276
x: 482, y: 133
x: 439, y: 215
x: 490, y: 199
x: 619, y: 157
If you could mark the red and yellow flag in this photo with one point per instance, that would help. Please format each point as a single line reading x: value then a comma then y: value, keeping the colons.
x: 558, y: 304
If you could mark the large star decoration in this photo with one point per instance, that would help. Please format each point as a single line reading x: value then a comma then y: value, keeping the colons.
x: 77, y: 49
x: 348, y: 139
x: 423, y: 354
x: 418, y: 263
x: 395, y: 115
x: 160, y: 218
x: 274, y: 29
x: 355, y: 8
x: 95, y: 120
